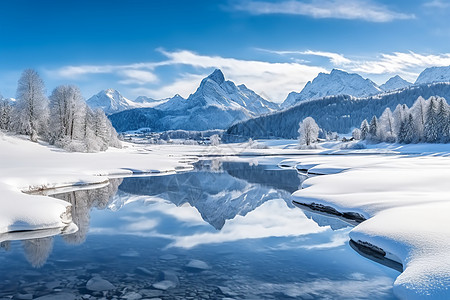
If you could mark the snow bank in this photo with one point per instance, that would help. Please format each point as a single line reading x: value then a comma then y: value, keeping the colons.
x: 405, y: 200
x: 29, y: 167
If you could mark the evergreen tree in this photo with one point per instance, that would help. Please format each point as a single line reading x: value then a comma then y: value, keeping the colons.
x: 442, y: 121
x: 364, y: 129
x: 419, y: 110
x: 431, y: 134
x: 373, y: 129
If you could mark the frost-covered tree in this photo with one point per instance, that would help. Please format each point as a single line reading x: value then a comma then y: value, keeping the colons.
x: 31, y: 109
x: 407, y: 133
x: 214, y: 140
x: 430, y: 132
x: 386, y: 126
x: 400, y: 114
x: 373, y: 129
x: 308, y: 131
x: 67, y: 110
x: 443, y: 121
x: 364, y: 129
x: 418, y: 110
x: 356, y: 134
x: 5, y: 114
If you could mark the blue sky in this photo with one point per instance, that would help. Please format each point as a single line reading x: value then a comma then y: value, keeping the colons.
x: 162, y: 47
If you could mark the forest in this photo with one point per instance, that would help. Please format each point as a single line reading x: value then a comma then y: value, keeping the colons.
x: 63, y: 119
x: 336, y: 113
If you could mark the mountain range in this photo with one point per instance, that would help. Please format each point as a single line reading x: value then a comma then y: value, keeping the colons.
x: 216, y: 104
x: 219, y: 103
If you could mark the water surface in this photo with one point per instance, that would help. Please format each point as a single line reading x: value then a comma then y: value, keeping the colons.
x: 226, y: 230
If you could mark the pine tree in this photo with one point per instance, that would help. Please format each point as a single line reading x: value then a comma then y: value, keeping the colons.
x: 431, y: 134
x: 419, y: 110
x: 364, y: 130
x: 373, y: 129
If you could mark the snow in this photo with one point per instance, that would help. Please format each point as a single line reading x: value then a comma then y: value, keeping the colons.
x: 404, y: 198
x: 27, y: 166
x: 434, y: 74
x: 336, y: 83
x: 395, y: 83
x: 112, y: 101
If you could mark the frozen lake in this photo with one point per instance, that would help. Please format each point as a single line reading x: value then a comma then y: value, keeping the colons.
x: 227, y: 230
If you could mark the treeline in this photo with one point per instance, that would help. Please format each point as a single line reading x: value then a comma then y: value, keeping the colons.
x: 63, y: 119
x: 427, y: 121
x: 337, y: 113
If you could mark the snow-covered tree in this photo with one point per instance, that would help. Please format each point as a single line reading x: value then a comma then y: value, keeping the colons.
x: 373, y: 129
x: 443, y: 121
x: 67, y: 109
x: 308, y: 131
x: 400, y: 114
x: 31, y: 109
x: 386, y: 126
x: 430, y: 132
x: 356, y: 134
x: 364, y: 129
x: 418, y: 110
x: 407, y: 133
x: 5, y: 114
x: 214, y: 140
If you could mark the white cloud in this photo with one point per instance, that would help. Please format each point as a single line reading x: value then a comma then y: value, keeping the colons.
x: 271, y: 219
x: 408, y: 64
x: 439, y: 4
x: 335, y: 58
x: 271, y: 80
x: 184, y: 86
x: 339, y: 9
x: 138, y: 77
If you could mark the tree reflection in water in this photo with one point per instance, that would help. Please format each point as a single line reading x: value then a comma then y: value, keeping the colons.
x: 37, y: 250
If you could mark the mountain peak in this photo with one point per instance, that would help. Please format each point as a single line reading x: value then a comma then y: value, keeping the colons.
x: 337, y: 82
x: 434, y: 74
x: 217, y: 76
x: 395, y: 83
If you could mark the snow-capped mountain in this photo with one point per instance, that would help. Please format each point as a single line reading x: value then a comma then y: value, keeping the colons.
x: 395, y: 83
x: 216, y: 104
x: 336, y: 83
x: 218, y: 196
x: 434, y: 74
x: 112, y: 101
x: 214, y: 90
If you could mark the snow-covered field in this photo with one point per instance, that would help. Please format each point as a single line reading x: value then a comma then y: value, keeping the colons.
x: 27, y: 166
x: 404, y: 197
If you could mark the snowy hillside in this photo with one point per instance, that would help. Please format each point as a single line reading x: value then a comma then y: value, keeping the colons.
x: 336, y: 83
x: 395, y: 83
x: 217, y: 104
x: 112, y: 101
x: 434, y: 74
x: 334, y: 113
